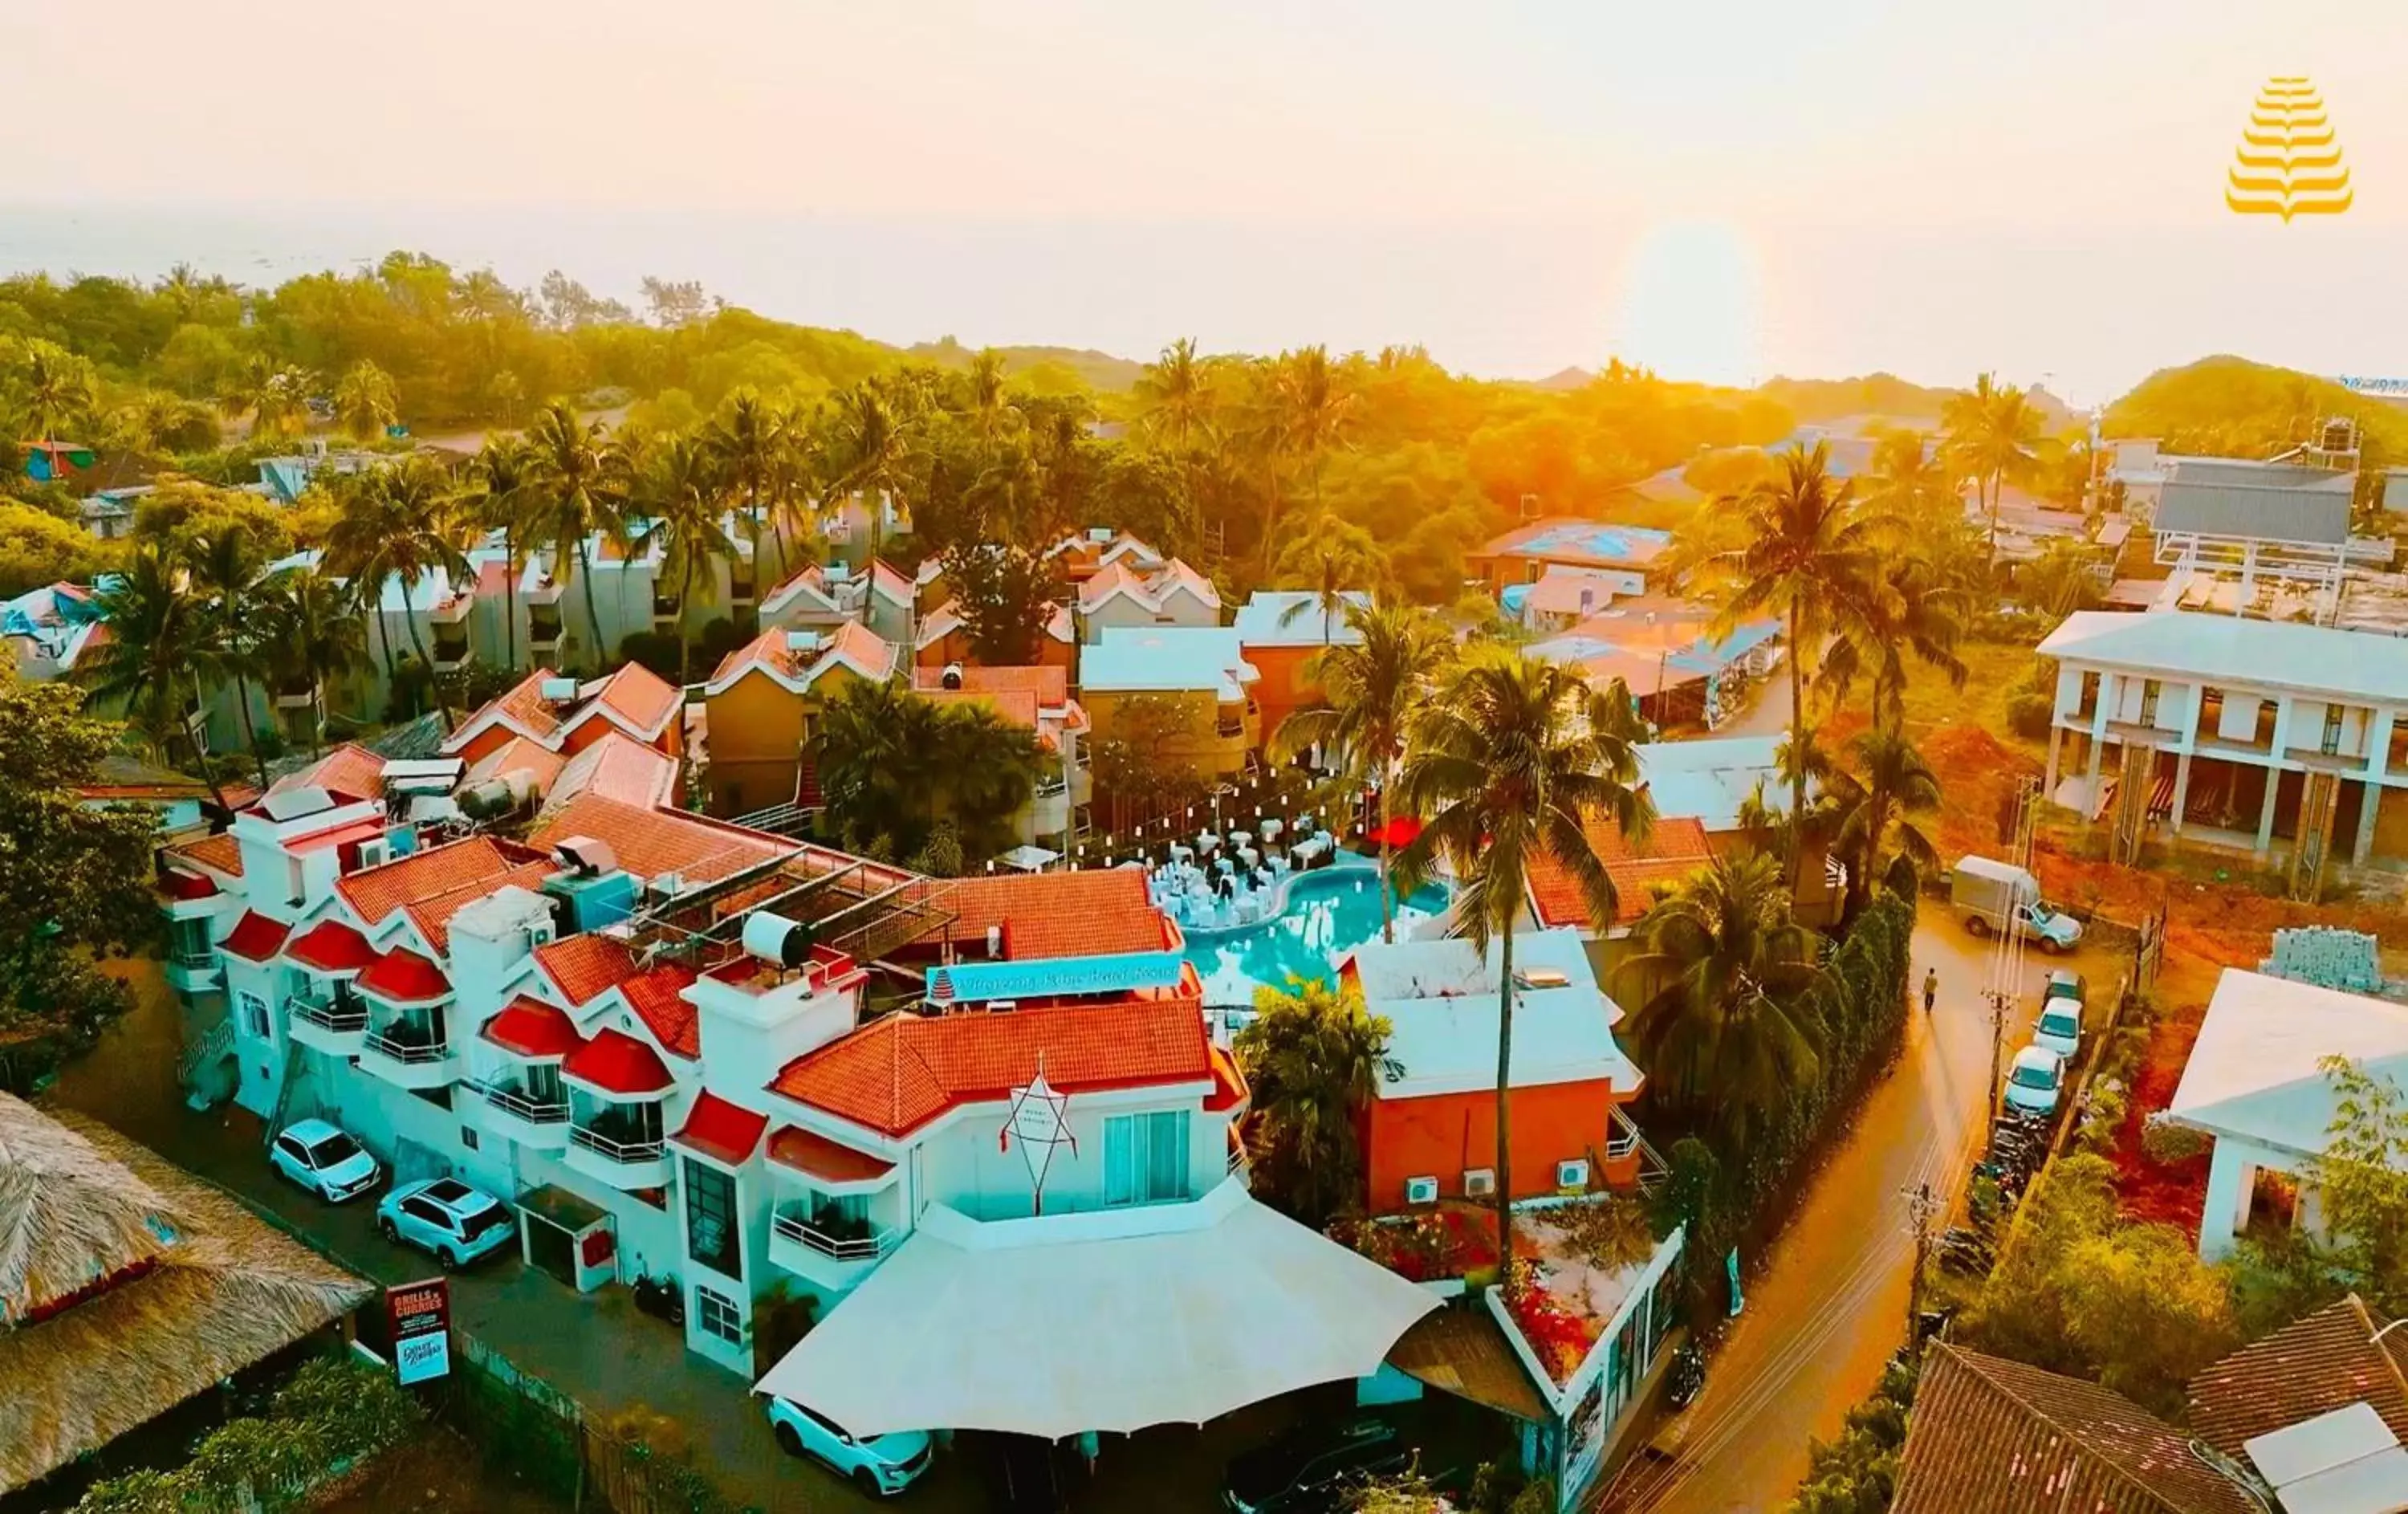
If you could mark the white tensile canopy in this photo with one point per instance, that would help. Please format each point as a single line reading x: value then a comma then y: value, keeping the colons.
x: 1108, y: 1321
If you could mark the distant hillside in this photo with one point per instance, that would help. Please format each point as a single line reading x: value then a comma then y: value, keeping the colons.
x: 2229, y: 407
x: 1819, y: 401
x: 1099, y: 372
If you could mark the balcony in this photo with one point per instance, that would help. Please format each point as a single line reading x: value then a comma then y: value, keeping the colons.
x: 336, y: 1024
x: 825, y: 1249
x: 533, y: 1118
x: 450, y: 654
x: 621, y: 1146
x: 410, y: 1051
x: 303, y: 697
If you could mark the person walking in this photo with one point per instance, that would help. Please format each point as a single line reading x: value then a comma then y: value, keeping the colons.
x: 1930, y: 988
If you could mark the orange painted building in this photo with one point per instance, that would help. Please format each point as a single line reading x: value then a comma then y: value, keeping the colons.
x: 565, y: 715
x: 1429, y: 1132
x: 1280, y: 631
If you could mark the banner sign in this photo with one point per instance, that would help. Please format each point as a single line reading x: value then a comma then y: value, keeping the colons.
x: 421, y: 1317
x: 2390, y: 388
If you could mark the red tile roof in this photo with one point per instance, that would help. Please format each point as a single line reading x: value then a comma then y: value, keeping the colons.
x: 349, y: 769
x: 402, y: 977
x: 423, y: 877
x: 656, y: 998
x: 584, y: 968
x: 642, y: 702
x: 1096, y: 913
x: 520, y: 754
x: 619, y: 1063
x: 898, y: 1073
x: 523, y: 706
x: 184, y: 886
x: 255, y: 937
x: 1674, y: 849
x: 864, y: 648
x: 2314, y: 1365
x: 330, y: 946
x: 1994, y: 1436
x: 433, y: 918
x: 531, y: 1027
x: 1012, y: 706
x: 650, y: 843
x: 1050, y: 684
x: 220, y: 853
x: 1229, y: 1083
x: 721, y: 1130
x: 618, y: 767
x: 816, y: 1156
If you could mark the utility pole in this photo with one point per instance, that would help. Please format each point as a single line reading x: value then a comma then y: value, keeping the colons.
x: 1923, y: 1210
x: 1999, y: 1001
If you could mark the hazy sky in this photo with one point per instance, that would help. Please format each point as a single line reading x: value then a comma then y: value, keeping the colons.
x: 1724, y: 191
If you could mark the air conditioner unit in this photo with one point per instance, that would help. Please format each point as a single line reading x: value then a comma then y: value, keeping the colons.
x: 1480, y: 1182
x: 375, y: 852
x: 558, y: 690
x: 1421, y: 1191
x: 1099, y: 533
x: 1573, y: 1175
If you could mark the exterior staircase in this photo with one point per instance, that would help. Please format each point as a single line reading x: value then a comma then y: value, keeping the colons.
x: 200, y: 1062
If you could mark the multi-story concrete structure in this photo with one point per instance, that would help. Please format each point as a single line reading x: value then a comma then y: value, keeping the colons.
x: 761, y: 702
x: 1198, y: 674
x: 2241, y: 733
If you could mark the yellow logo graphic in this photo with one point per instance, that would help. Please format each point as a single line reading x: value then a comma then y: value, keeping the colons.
x: 2288, y: 161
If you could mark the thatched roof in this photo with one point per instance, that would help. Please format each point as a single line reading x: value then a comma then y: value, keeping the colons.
x: 204, y: 1288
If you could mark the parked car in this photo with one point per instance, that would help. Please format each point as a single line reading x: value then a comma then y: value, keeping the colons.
x: 1313, y: 1468
x: 445, y: 1216
x: 2035, y: 1080
x: 2061, y: 1027
x: 1993, y: 896
x: 323, y: 1159
x: 2065, y: 983
x: 879, y: 1465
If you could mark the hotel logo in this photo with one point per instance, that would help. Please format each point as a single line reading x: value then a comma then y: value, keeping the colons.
x: 2288, y: 161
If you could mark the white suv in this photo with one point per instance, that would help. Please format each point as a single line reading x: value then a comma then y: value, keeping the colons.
x: 880, y: 1466
x: 325, y: 1160
x: 445, y: 1216
x: 2035, y: 1080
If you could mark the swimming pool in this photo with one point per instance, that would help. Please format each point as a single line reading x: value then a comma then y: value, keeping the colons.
x: 1329, y: 913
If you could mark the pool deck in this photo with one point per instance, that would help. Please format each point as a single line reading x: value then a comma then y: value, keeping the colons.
x: 1211, y: 935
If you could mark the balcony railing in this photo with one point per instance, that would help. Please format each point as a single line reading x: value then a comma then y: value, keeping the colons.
x: 1230, y: 725
x: 641, y: 1148
x: 341, y: 1016
x: 794, y: 1227
x: 521, y: 1105
x: 410, y: 1047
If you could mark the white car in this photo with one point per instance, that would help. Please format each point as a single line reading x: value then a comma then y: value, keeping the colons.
x: 2061, y: 1027
x: 880, y: 1466
x: 323, y: 1159
x: 2035, y: 1080
x: 445, y: 1216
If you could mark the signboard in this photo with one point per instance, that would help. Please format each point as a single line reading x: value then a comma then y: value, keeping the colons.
x: 978, y: 982
x: 2386, y: 388
x: 421, y: 1317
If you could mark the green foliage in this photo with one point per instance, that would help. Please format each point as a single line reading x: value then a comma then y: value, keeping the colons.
x: 2229, y: 407
x: 1312, y: 1056
x: 2029, y: 713
x: 333, y: 1414
x: 2361, y: 1180
x: 1004, y: 594
x: 1139, y: 765
x: 38, y: 548
x: 1857, y: 1473
x: 897, y: 767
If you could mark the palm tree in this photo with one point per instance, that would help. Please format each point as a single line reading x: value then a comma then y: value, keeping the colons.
x: 501, y: 497
x: 314, y: 637
x: 1723, y: 967
x: 1331, y: 558
x: 1915, y: 612
x: 1310, y: 407
x: 227, y: 566
x: 1174, y: 399
x: 276, y: 398
x: 1313, y: 1055
x: 870, y: 452
x: 1508, y: 765
x: 1371, y: 689
x: 56, y: 389
x: 575, y: 476
x: 1890, y: 786
x: 744, y: 442
x: 676, y: 496
x: 365, y: 402
x: 397, y: 523
x: 1994, y: 438
x: 990, y: 402
x: 1804, y: 554
x: 1910, y: 479
x: 149, y: 665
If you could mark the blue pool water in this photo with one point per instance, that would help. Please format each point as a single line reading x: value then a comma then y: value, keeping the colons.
x: 1329, y: 913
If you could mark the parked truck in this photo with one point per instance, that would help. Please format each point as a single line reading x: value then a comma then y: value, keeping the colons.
x: 1992, y: 896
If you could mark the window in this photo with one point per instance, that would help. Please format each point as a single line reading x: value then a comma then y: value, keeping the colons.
x: 2332, y: 730
x: 2149, y: 701
x: 710, y: 1219
x: 254, y: 1016
x: 190, y: 940
x: 718, y: 1316
x: 1145, y: 1158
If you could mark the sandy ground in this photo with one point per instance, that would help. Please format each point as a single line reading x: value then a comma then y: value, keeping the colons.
x: 1830, y: 1308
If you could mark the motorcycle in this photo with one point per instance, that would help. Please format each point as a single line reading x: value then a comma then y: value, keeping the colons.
x: 1685, y: 1379
x: 660, y: 1297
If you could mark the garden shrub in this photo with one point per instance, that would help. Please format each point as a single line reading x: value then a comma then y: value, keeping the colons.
x: 2162, y: 1140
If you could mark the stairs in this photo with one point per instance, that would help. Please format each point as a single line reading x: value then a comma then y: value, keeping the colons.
x: 200, y: 1059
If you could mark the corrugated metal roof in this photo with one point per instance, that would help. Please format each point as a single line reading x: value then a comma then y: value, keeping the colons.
x: 2268, y: 513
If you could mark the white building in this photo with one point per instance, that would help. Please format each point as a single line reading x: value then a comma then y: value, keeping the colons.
x: 2239, y: 732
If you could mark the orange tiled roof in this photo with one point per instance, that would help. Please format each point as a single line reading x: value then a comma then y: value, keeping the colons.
x: 1013, y: 707
x: 349, y: 769
x: 433, y: 916
x: 525, y: 707
x: 2325, y: 1361
x: 584, y: 968
x: 656, y: 997
x: 423, y: 877
x: 770, y: 651
x: 618, y: 767
x: 898, y: 1073
x: 651, y: 841
x: 640, y: 697
x: 220, y: 853
x: 809, y: 1152
x: 1049, y: 685
x: 1097, y: 913
x: 1674, y: 849
x: 520, y: 754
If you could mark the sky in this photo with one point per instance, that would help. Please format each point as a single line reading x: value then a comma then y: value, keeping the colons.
x: 1721, y: 191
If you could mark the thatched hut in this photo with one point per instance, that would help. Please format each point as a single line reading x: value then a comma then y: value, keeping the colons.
x: 128, y: 1286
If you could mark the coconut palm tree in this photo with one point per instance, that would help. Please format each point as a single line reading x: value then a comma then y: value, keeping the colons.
x: 1916, y: 613
x: 56, y: 389
x: 1311, y: 408
x: 398, y: 523
x: 1173, y: 396
x: 577, y: 478
x: 1801, y: 551
x: 1723, y: 966
x: 1371, y: 689
x: 226, y: 567
x: 315, y: 637
x: 1313, y: 1055
x: 743, y: 443
x: 1890, y: 786
x: 870, y: 452
x: 149, y: 665
x: 501, y: 497
x: 1994, y: 438
x: 1508, y: 765
x: 276, y: 398
x: 1910, y: 479
x: 990, y: 407
x: 676, y: 497
x: 1330, y: 560
x: 365, y: 401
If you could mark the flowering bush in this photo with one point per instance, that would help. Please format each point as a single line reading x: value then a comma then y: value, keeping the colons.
x: 1560, y: 1338
x: 1429, y: 1247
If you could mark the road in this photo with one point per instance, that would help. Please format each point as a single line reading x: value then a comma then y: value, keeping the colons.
x: 1826, y: 1314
